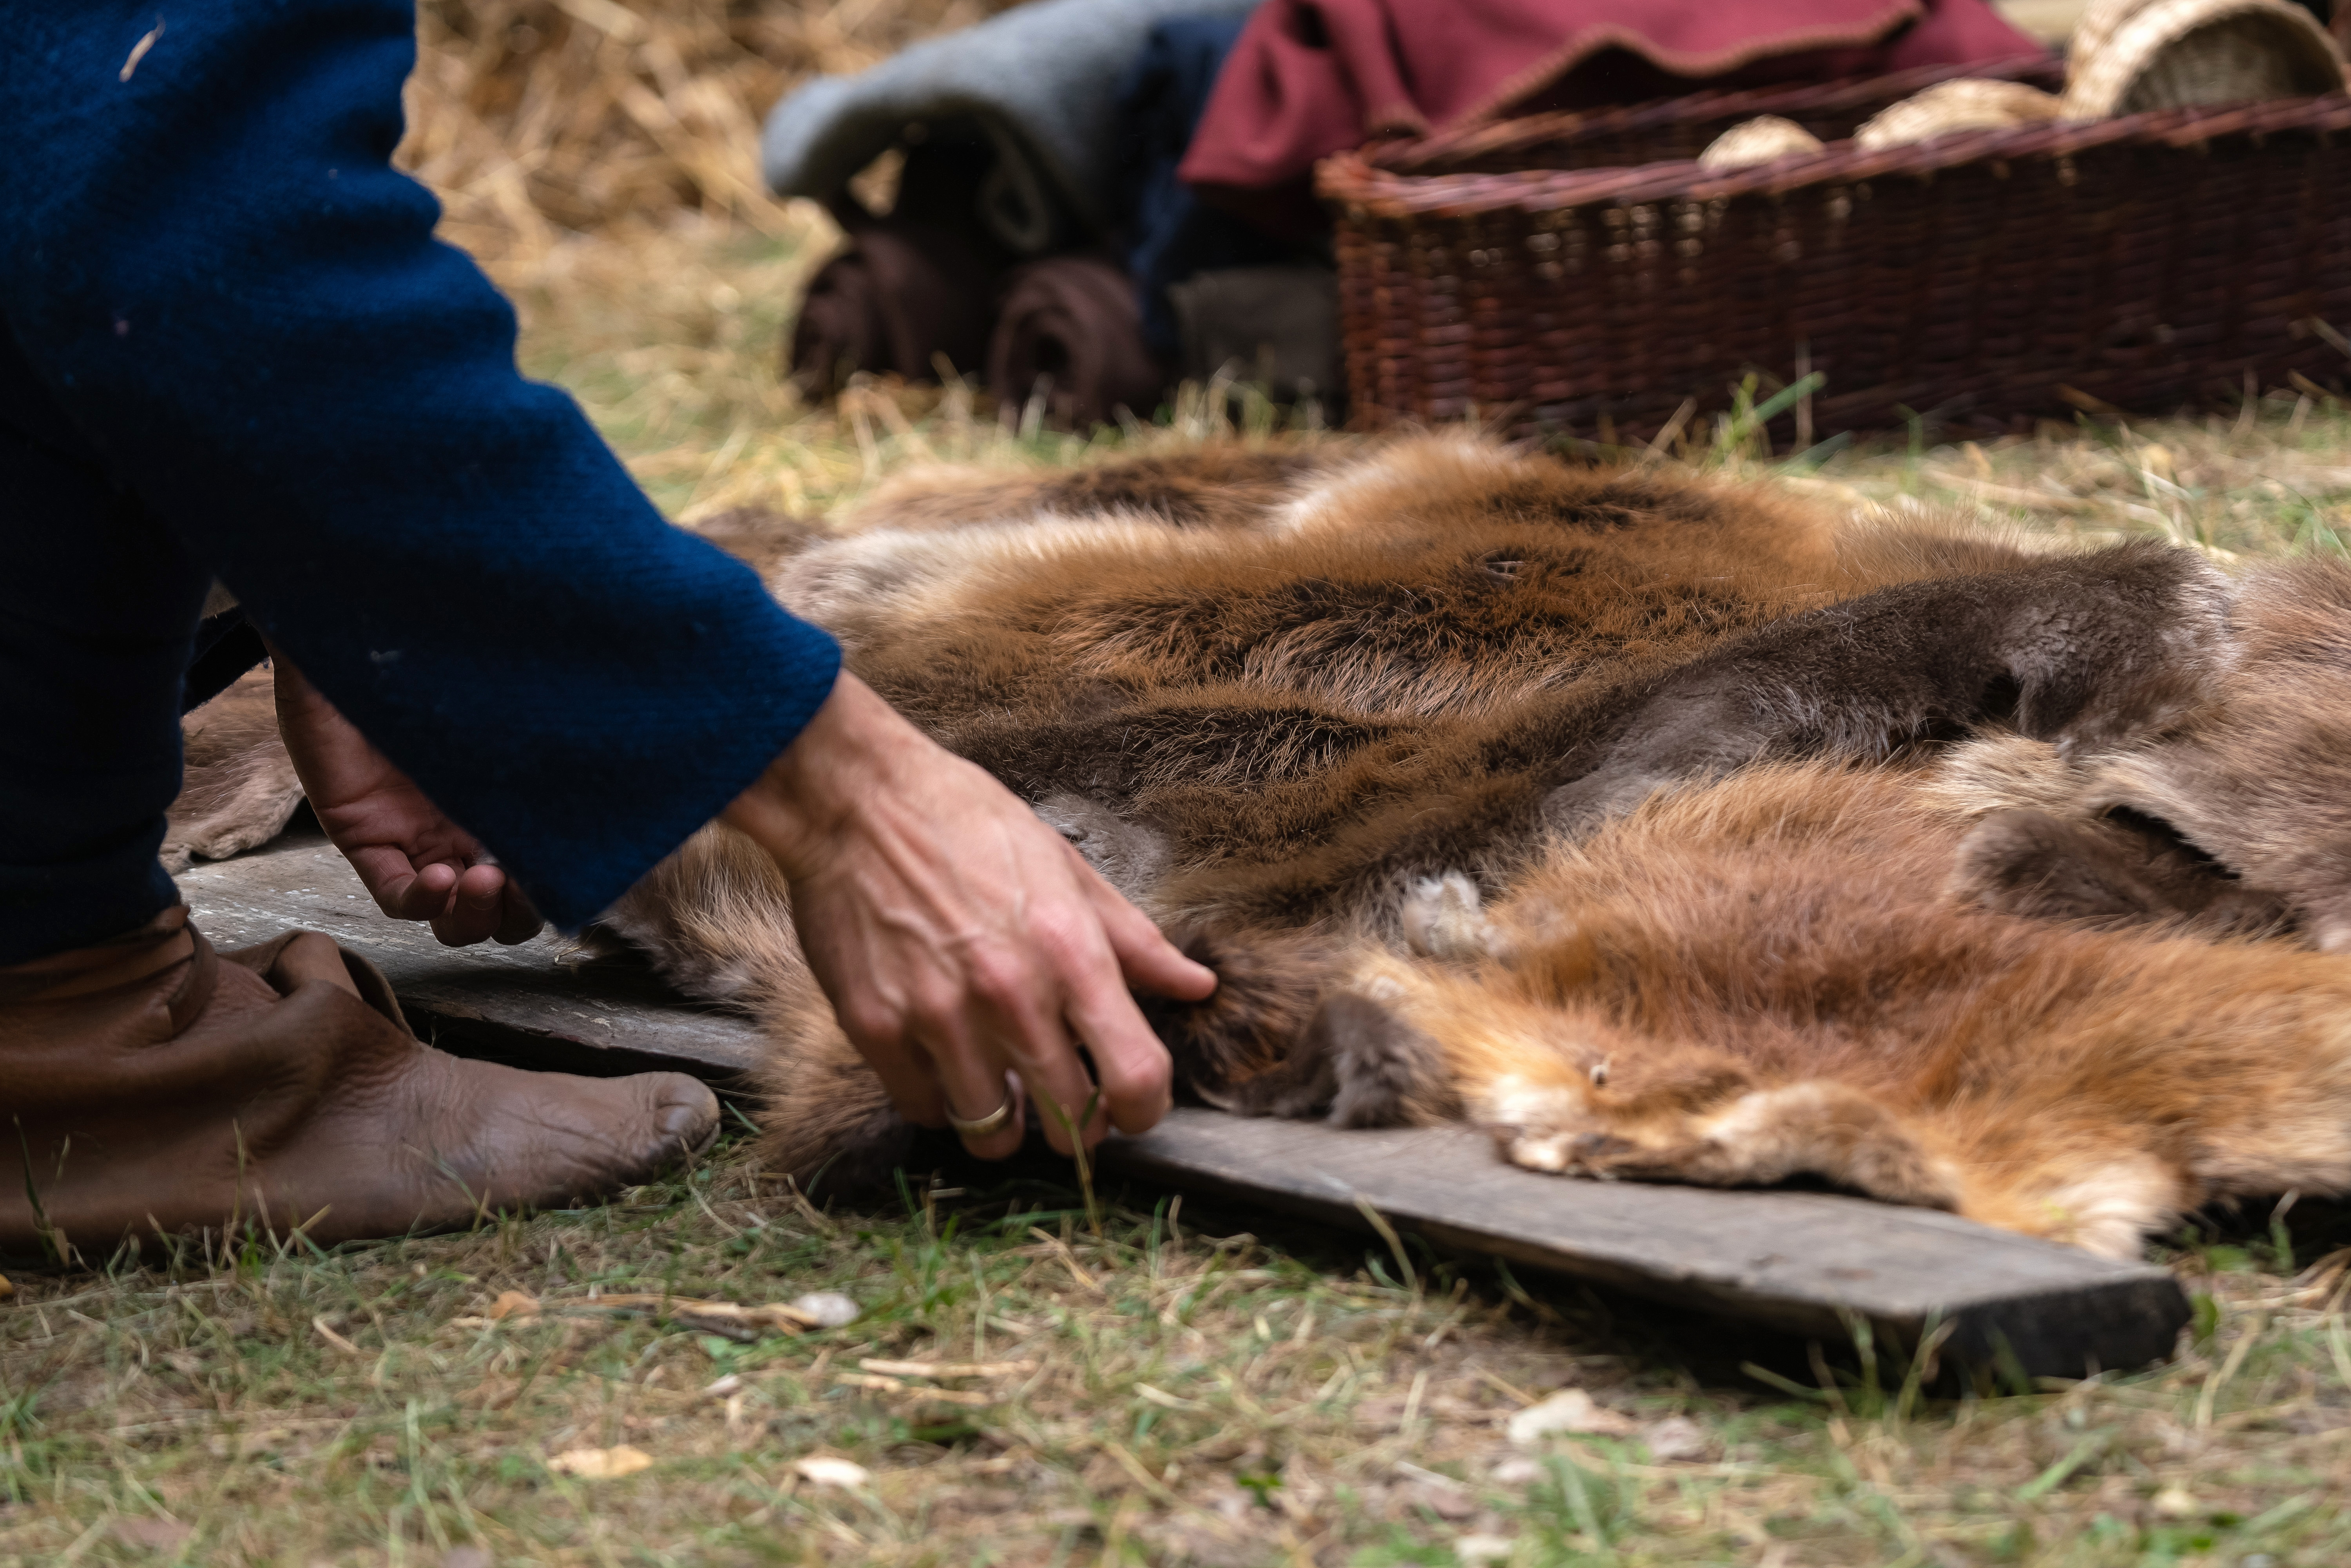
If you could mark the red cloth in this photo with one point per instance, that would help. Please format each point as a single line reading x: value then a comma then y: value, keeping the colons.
x: 1309, y: 78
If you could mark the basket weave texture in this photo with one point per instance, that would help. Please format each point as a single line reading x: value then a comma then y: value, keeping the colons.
x: 2139, y: 261
x: 2132, y: 55
x: 1671, y: 127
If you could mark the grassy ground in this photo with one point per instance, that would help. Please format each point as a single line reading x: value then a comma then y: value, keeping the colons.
x: 1154, y: 1384
x: 1129, y: 1385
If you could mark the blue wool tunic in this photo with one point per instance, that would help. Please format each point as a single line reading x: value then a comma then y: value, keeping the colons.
x: 234, y: 347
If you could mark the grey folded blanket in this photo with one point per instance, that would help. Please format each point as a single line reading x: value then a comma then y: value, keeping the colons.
x: 1040, y: 82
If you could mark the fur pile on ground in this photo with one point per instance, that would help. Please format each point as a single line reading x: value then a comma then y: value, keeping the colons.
x: 1663, y: 827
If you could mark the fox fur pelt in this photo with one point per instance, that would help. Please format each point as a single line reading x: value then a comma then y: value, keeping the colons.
x: 1662, y: 827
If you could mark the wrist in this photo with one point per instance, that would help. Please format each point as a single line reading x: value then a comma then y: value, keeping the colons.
x: 847, y: 756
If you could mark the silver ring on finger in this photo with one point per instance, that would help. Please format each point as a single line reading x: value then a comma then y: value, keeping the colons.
x: 994, y: 1120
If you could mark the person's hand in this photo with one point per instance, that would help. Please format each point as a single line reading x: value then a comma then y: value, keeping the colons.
x: 418, y: 864
x: 960, y: 939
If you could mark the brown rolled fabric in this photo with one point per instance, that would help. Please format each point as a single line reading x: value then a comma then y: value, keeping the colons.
x: 901, y: 294
x: 1072, y: 322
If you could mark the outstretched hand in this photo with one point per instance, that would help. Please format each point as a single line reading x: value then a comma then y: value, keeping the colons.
x: 416, y: 862
x: 966, y: 946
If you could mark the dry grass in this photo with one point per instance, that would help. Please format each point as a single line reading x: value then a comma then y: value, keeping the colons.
x: 1150, y: 1388
x: 1176, y: 1390
x: 2270, y: 477
x: 536, y: 118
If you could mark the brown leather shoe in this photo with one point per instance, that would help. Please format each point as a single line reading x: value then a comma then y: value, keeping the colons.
x: 149, y: 1084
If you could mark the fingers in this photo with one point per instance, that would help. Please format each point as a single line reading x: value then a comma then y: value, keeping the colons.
x: 518, y: 920
x: 957, y: 936
x: 399, y: 890
x: 475, y: 908
x: 1149, y: 961
x: 1001, y: 1014
x: 947, y: 1055
x: 908, y: 1077
x: 1137, y: 1078
x: 466, y: 905
x: 1030, y: 1002
x: 928, y: 1082
x: 974, y: 1088
x: 1069, y: 1106
x: 1075, y: 984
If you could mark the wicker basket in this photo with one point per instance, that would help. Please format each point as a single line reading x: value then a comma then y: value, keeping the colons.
x: 1668, y: 128
x: 2138, y: 261
x: 2131, y: 56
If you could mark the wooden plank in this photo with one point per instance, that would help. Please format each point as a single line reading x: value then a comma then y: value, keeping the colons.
x: 542, y: 1003
x: 1797, y: 1262
x: 1794, y: 1261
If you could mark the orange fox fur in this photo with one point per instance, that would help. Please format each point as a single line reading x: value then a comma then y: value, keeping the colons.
x: 1661, y: 826
x: 1764, y: 978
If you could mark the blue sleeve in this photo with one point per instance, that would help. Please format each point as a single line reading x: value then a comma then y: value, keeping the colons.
x: 215, y: 274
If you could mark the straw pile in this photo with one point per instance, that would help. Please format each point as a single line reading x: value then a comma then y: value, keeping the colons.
x: 531, y: 118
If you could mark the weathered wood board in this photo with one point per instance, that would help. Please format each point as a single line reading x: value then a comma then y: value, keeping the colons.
x: 1794, y: 1261
x: 1798, y: 1261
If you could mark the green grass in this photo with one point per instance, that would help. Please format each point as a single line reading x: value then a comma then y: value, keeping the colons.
x: 1198, y: 1393
x: 1162, y: 1390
